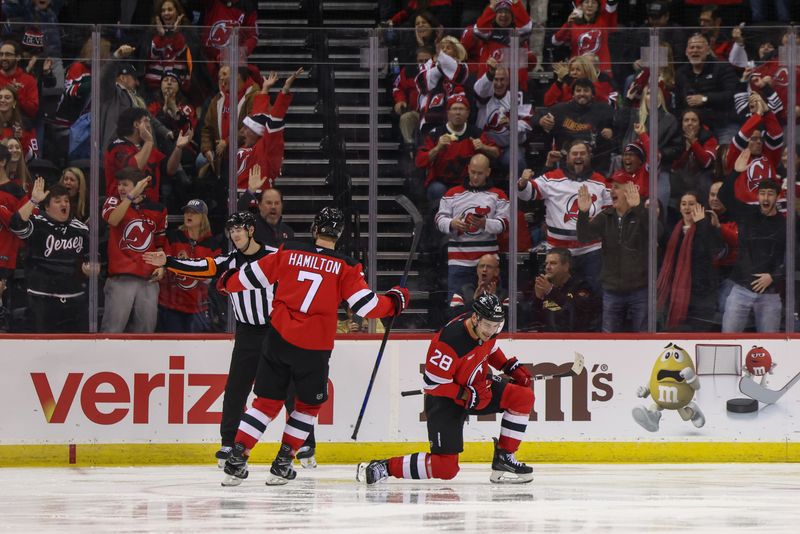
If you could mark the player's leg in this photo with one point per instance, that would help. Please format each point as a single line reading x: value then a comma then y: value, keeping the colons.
x: 306, y: 454
x: 445, y: 421
x: 309, y: 372
x: 516, y: 403
x: 241, y: 374
x: 272, y: 379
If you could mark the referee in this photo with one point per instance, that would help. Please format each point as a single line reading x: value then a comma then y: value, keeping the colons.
x: 251, y: 308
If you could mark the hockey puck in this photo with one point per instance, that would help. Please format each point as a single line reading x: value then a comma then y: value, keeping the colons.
x: 742, y: 405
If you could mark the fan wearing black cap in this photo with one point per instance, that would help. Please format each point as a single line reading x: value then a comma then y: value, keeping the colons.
x: 459, y: 383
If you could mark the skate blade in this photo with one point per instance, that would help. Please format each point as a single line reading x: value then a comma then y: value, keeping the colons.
x: 504, y: 477
x: 221, y: 463
x: 361, y: 472
x: 230, y: 481
x: 308, y: 463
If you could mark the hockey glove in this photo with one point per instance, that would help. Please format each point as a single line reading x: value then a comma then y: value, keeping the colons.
x: 476, y: 397
x: 518, y: 372
x: 223, y: 279
x: 401, y: 298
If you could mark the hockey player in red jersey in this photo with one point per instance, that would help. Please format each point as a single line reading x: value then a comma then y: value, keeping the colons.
x: 312, y: 280
x: 458, y: 383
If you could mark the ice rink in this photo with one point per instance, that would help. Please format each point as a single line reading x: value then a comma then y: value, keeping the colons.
x: 616, y: 498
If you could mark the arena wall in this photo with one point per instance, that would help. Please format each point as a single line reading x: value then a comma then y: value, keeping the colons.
x: 88, y: 401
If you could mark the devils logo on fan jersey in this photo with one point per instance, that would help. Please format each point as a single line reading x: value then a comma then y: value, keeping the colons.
x: 758, y: 170
x: 493, y: 122
x: 220, y: 32
x: 571, y: 212
x: 138, y: 235
x: 471, y: 214
x: 589, y: 42
x: 185, y: 282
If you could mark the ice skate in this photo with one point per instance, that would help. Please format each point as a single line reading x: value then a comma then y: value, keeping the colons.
x: 506, y: 469
x: 306, y: 456
x: 372, y: 472
x: 222, y: 454
x: 282, y: 471
x: 235, y: 466
x: 647, y: 419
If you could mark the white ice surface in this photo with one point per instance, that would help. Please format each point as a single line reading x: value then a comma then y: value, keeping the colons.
x: 727, y: 498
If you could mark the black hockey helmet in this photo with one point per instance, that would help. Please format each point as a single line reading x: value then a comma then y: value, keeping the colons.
x: 489, y: 307
x: 241, y: 219
x: 328, y: 222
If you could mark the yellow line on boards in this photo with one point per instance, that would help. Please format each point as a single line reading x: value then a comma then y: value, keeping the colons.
x: 87, y: 455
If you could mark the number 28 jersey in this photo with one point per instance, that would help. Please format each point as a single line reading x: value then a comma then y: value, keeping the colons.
x: 456, y: 359
x: 312, y: 281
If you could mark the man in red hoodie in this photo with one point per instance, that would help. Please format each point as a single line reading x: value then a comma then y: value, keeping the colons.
x: 24, y: 84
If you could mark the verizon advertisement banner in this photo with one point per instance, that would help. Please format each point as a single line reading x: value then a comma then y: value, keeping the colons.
x: 123, y: 391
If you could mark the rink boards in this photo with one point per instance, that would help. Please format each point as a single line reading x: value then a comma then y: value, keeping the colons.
x: 151, y: 401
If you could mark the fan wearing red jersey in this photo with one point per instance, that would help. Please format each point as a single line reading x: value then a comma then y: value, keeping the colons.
x: 312, y: 280
x: 458, y: 383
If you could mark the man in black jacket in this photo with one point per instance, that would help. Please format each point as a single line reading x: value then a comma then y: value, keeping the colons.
x: 562, y: 302
x: 270, y: 228
x: 759, y: 267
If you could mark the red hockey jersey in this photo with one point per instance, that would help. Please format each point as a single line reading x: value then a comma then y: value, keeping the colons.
x: 27, y: 91
x: 758, y: 168
x: 179, y: 292
x: 591, y: 37
x: 312, y: 281
x: 221, y: 19
x: 268, y: 150
x: 11, y: 198
x: 456, y: 359
x: 141, y: 230
x: 120, y: 154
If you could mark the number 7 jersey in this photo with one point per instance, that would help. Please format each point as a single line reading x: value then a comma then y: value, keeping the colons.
x: 311, y: 282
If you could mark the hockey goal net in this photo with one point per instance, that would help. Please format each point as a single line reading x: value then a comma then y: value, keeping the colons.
x: 718, y: 359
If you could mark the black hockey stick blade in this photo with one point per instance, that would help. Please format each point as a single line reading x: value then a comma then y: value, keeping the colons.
x: 411, y: 392
x: 416, y: 218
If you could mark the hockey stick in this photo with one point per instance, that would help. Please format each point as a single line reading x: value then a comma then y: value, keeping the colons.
x: 756, y: 391
x: 407, y: 205
x: 575, y: 370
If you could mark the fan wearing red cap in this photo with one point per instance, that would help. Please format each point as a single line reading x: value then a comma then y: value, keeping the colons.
x: 493, y: 30
x: 447, y: 149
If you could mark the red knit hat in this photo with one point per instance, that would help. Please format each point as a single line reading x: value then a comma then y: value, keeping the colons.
x: 458, y: 98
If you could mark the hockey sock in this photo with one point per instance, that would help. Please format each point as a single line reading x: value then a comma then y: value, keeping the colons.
x: 300, y: 424
x: 444, y: 466
x: 410, y: 466
x: 516, y: 402
x: 255, y: 420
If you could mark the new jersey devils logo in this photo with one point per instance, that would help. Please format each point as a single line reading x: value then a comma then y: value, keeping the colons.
x: 137, y: 235
x: 494, y: 124
x: 571, y: 212
x: 589, y: 42
x: 760, y: 169
x: 186, y: 283
x: 220, y: 33
x: 472, y: 217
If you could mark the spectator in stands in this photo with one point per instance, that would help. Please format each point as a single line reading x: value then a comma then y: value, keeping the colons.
x: 11, y: 198
x: 558, y: 187
x: 166, y: 49
x: 427, y: 33
x: 623, y: 231
x: 635, y: 158
x: 137, y: 225
x: 666, y: 83
x: 44, y: 16
x: 472, y: 215
x: 262, y: 132
x: 134, y: 147
x: 440, y: 78
x: 707, y: 86
x: 729, y: 231
x: 78, y: 83
x: 73, y: 179
x: 579, y: 67
x: 12, y: 124
x: 587, y: 29
x: 582, y: 118
x: 658, y: 16
x: 693, y: 169
x: 687, y: 282
x: 406, y: 97
x: 16, y: 167
x: 14, y: 77
x: 270, y: 228
x: 494, y: 104
x: 31, y: 53
x: 720, y: 41
x: 755, y: 153
x: 493, y: 29
x: 487, y: 281
x: 562, y: 302
x: 441, y: 9
x: 759, y: 269
x: 57, y: 260
x: 214, y: 133
x: 447, y: 149
x: 221, y: 17
x: 183, y: 301
x: 171, y: 109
